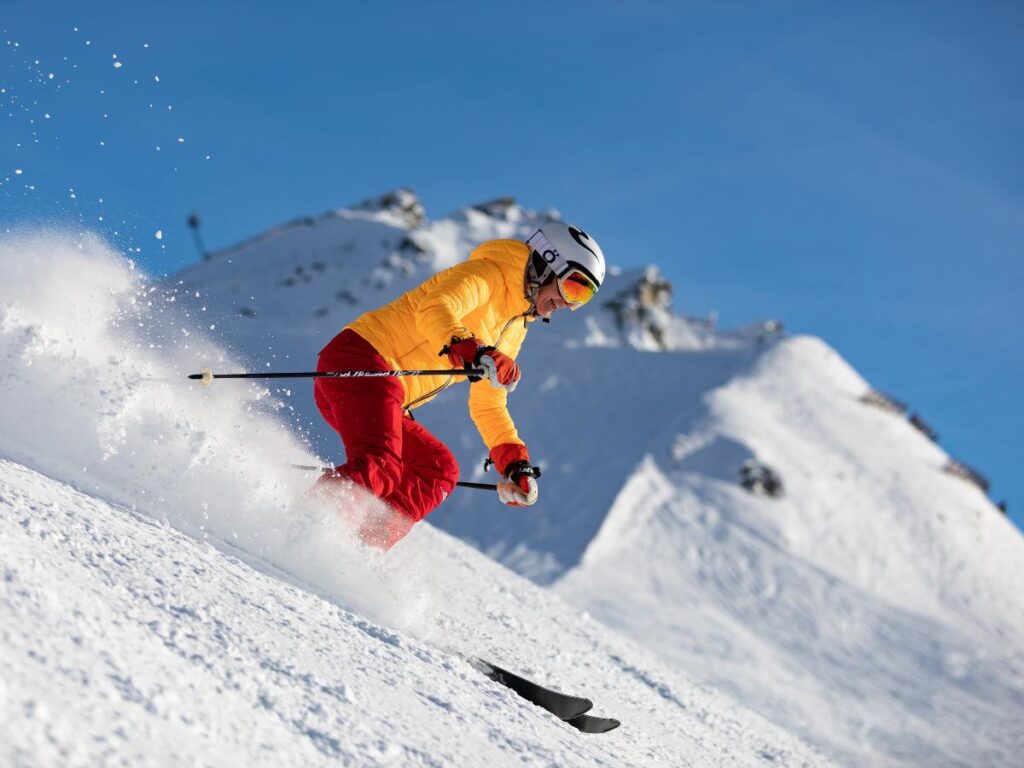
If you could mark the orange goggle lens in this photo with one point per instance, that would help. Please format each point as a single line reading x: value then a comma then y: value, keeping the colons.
x: 576, y: 288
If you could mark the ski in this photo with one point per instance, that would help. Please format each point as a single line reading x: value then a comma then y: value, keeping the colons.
x: 590, y: 724
x: 561, y: 705
x: 564, y: 706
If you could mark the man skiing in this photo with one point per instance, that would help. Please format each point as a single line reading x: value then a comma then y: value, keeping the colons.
x: 476, y: 314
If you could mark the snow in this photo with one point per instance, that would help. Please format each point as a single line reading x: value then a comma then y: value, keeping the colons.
x: 171, y: 594
x: 872, y: 615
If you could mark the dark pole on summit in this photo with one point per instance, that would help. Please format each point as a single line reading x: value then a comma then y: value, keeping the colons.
x: 193, y: 224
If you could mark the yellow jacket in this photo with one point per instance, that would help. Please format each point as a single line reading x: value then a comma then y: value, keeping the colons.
x: 481, y: 297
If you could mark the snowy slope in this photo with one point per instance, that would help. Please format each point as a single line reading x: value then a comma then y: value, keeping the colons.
x: 876, y: 608
x: 171, y: 595
x: 126, y: 642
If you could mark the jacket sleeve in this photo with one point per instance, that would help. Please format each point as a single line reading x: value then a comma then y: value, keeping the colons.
x: 488, y: 405
x: 451, y: 296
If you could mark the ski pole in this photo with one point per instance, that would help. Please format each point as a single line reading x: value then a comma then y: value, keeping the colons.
x: 461, y: 484
x: 207, y: 376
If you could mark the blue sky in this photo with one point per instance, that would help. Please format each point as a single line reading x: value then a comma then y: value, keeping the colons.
x: 853, y: 169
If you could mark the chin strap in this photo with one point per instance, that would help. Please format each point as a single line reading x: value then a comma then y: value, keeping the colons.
x: 532, y: 311
x: 530, y: 291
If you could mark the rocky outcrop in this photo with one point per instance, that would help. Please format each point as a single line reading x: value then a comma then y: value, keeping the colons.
x: 402, y: 202
x: 643, y: 306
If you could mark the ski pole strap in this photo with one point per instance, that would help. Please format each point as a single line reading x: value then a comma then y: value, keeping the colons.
x: 207, y: 376
x: 516, y: 470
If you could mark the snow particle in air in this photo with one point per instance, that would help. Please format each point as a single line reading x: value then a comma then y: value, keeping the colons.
x: 181, y: 139
x: 117, y: 65
x: 159, y: 234
x: 18, y: 171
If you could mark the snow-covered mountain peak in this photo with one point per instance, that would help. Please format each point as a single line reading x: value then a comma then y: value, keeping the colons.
x: 634, y: 307
x: 506, y: 210
x: 453, y: 237
x: 400, y: 207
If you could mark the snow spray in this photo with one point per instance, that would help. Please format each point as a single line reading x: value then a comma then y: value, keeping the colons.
x: 93, y: 357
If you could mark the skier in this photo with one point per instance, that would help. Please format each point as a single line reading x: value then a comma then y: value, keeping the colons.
x: 476, y: 315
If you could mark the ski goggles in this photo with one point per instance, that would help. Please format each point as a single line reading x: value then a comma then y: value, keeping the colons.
x: 576, y: 288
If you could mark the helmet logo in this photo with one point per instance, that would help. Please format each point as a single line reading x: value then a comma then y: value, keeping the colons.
x: 579, y: 235
x: 548, y: 253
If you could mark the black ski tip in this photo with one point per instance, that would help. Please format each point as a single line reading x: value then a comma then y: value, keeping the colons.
x: 573, y: 709
x: 562, y: 705
x: 591, y: 724
x: 195, y: 375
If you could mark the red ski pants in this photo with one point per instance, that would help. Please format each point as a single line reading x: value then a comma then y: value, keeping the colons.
x: 387, y: 451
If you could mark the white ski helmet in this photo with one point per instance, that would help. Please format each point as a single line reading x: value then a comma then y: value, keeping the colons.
x: 558, y: 248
